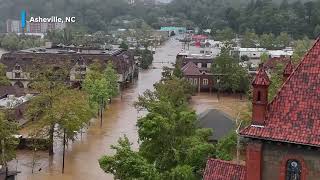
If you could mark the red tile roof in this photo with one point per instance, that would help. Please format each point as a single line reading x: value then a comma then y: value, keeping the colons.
x: 190, y: 69
x: 293, y: 116
x: 224, y: 170
x: 261, y: 78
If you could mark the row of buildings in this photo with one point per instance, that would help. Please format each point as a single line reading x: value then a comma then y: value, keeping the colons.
x: 33, y: 28
x: 20, y: 66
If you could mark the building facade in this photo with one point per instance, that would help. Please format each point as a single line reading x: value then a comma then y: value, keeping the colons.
x: 14, y: 26
x: 20, y: 64
x: 283, y: 140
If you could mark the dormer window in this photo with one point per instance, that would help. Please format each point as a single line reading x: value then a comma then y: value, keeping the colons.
x: 17, y: 67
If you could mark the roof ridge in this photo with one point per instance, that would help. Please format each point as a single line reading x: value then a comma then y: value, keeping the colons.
x: 224, y: 161
x: 295, y: 70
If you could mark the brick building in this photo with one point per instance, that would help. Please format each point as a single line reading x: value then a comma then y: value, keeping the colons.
x: 197, y: 69
x: 202, y: 80
x: 20, y: 64
x: 283, y: 140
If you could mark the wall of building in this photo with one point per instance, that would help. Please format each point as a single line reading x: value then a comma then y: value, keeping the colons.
x: 275, y: 158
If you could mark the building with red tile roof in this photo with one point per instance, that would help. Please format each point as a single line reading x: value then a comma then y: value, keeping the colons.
x: 283, y: 140
x: 224, y: 170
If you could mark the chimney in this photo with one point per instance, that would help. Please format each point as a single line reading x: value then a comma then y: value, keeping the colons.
x: 287, y: 71
x: 260, y: 97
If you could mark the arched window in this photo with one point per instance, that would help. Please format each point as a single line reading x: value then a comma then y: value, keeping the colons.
x: 293, y: 170
x: 259, y: 96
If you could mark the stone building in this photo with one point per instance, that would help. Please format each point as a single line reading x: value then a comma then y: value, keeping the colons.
x: 20, y: 64
x: 283, y: 140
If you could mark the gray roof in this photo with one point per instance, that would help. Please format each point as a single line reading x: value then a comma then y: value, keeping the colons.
x: 219, y: 122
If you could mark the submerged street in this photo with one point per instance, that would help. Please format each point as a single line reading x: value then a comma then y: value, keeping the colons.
x: 82, y: 156
x: 81, y: 161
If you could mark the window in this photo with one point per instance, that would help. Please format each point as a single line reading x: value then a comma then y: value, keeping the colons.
x: 195, y: 81
x: 293, y: 171
x: 259, y: 96
x: 205, y: 82
x: 17, y: 67
x: 199, y: 65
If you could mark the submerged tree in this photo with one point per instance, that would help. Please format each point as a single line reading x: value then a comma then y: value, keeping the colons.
x: 171, y: 145
x: 101, y: 85
x: 57, y: 109
x: 8, y: 142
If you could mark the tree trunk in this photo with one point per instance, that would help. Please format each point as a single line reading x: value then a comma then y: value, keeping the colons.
x: 51, y: 133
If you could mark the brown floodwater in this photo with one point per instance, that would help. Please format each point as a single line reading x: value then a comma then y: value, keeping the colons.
x: 81, y: 162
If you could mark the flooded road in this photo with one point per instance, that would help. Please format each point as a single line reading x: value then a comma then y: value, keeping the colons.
x: 82, y: 156
x: 81, y: 162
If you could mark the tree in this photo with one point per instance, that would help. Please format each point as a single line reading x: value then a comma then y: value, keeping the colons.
x: 276, y: 81
x: 171, y: 145
x: 57, y: 109
x: 7, y: 132
x: 249, y: 40
x: 124, y: 46
x: 300, y: 48
x: 226, y: 34
x: 146, y: 59
x: 264, y: 57
x: 97, y: 87
x: 232, y: 77
x: 112, y: 80
x: 226, y: 147
x: 4, y: 81
x: 267, y: 41
x: 283, y: 40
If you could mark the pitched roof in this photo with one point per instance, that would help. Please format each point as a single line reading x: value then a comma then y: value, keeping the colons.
x: 220, y: 122
x: 223, y: 170
x: 293, y: 115
x: 190, y: 69
x: 261, y: 78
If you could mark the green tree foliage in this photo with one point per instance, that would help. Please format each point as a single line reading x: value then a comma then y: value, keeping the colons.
x: 276, y: 81
x: 96, y: 85
x: 146, y: 59
x: 4, y: 81
x: 249, y: 40
x: 112, y: 78
x: 226, y: 34
x: 232, y: 77
x: 226, y: 147
x: 124, y: 46
x: 264, y: 57
x: 7, y: 132
x: 57, y: 108
x: 300, y: 48
x: 14, y: 42
x: 171, y: 145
